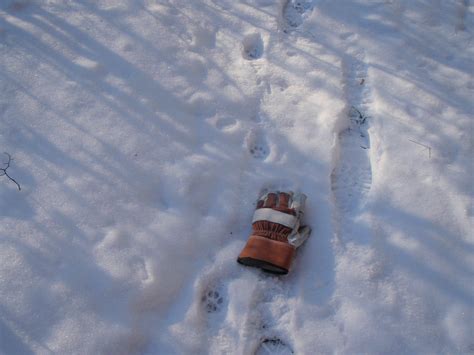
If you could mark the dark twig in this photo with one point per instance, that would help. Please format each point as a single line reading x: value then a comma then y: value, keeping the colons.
x: 423, y: 145
x: 360, y: 118
x: 3, y: 171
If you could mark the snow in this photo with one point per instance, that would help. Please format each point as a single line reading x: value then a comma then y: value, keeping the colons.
x: 141, y: 133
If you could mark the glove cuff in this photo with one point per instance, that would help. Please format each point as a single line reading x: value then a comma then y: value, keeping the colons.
x: 271, y: 255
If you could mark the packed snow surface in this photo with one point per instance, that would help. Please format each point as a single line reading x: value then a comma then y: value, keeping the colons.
x: 142, y: 131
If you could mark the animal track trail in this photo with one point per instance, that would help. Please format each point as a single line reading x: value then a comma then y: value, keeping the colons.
x: 351, y: 178
x: 256, y: 140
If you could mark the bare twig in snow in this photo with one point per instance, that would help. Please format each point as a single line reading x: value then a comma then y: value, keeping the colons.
x: 423, y: 145
x: 360, y: 120
x: 3, y: 171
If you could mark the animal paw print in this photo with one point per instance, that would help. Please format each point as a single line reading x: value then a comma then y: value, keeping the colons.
x: 257, y: 144
x: 258, y: 151
x: 212, y: 301
x: 252, y: 46
x: 273, y: 346
x: 294, y: 10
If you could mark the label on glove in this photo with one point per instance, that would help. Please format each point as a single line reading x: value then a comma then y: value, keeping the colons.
x: 271, y: 215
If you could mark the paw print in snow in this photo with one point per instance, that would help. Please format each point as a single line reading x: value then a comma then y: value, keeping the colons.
x: 273, y: 346
x: 212, y: 301
x: 294, y: 10
x: 257, y: 144
x: 258, y: 151
x: 252, y: 47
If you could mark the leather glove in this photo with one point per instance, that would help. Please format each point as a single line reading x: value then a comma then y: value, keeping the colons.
x: 276, y: 232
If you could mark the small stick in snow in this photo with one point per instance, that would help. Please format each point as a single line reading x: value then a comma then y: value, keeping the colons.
x: 423, y: 145
x: 361, y: 119
x: 3, y: 171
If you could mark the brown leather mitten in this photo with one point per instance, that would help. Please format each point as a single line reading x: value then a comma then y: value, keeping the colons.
x: 276, y: 232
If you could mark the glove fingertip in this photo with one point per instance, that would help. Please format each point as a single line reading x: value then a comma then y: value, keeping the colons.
x: 284, y: 199
x: 271, y: 200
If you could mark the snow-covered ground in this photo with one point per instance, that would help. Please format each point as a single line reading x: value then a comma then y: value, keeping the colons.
x: 142, y: 131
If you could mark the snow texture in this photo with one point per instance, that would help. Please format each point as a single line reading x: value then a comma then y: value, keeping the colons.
x: 141, y: 132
